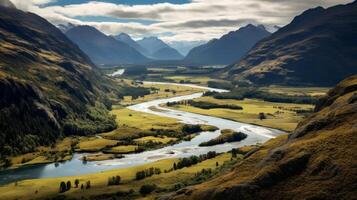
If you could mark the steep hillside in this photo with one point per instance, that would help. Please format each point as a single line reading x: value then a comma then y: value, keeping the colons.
x: 103, y: 49
x: 158, y: 49
x: 48, y: 86
x: 316, y: 161
x: 229, y: 48
x: 317, y: 48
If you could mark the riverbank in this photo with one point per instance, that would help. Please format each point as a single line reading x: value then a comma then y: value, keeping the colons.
x: 282, y: 116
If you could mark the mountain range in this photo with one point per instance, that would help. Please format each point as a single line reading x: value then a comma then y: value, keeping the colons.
x: 229, y: 48
x: 158, y: 49
x: 48, y: 87
x: 125, y: 38
x: 103, y: 49
x: 317, y: 48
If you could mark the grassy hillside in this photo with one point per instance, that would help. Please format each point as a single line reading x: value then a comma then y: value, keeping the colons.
x: 316, y: 161
x: 48, y: 87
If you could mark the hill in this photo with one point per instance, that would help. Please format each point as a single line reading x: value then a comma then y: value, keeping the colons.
x: 316, y: 48
x: 229, y: 48
x: 48, y: 87
x: 316, y: 161
x: 103, y: 49
x: 159, y: 50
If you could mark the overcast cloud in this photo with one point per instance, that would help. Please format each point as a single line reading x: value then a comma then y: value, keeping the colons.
x: 195, y: 21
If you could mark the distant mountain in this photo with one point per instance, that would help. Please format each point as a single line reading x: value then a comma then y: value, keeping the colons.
x: 65, y: 27
x: 167, y: 53
x: 125, y: 38
x: 48, y: 86
x: 229, y: 48
x: 184, y: 47
x: 103, y: 49
x: 317, y: 48
x: 155, y: 46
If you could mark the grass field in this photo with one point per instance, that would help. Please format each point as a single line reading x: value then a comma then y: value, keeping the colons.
x: 59, y: 152
x: 298, y: 91
x: 94, y: 144
x: 201, y: 80
x: 159, y: 92
x: 47, y: 188
x: 279, y: 115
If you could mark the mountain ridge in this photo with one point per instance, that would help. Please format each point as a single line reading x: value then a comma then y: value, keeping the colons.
x: 47, y: 85
x: 227, y: 49
x: 103, y: 49
x: 316, y: 49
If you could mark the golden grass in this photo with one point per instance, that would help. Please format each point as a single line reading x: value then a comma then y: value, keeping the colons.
x: 131, y: 123
x: 202, y: 80
x: 162, y: 140
x: 164, y: 91
x: 95, y: 144
x: 297, y: 91
x: 45, y: 154
x: 124, y: 149
x: 47, y: 188
x: 278, y: 114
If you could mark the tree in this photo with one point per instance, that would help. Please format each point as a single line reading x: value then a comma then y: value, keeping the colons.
x: 76, y: 183
x: 69, y: 185
x: 262, y: 116
x: 88, y: 185
x: 147, y: 189
x: 63, y: 187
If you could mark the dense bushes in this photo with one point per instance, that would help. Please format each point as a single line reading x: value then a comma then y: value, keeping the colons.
x: 187, y: 162
x: 115, y: 180
x: 147, y: 173
x: 221, y: 85
x: 205, y: 105
x: 97, y: 119
x: 147, y: 189
x: 134, y: 92
x: 255, y: 93
x: 226, y: 136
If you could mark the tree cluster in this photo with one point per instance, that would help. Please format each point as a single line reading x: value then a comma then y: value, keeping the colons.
x: 147, y: 173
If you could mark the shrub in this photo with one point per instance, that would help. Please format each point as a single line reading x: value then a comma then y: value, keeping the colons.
x: 226, y: 136
x: 63, y: 187
x: 115, y: 180
x: 147, y: 189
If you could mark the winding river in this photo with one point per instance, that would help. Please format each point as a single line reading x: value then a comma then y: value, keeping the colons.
x: 256, y: 134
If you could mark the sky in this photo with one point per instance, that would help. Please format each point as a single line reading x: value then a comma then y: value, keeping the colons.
x: 171, y: 20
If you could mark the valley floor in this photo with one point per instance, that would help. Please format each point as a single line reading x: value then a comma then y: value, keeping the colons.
x: 139, y: 132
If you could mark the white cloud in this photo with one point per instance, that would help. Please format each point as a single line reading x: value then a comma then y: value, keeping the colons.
x: 197, y: 20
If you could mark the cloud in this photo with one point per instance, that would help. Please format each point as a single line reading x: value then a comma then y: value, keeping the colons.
x: 196, y: 20
x: 27, y: 4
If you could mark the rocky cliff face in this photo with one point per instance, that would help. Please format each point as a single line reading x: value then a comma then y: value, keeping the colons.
x: 316, y: 161
x: 47, y: 84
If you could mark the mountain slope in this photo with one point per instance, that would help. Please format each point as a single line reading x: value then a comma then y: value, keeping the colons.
x: 103, y: 49
x: 229, y: 48
x: 316, y: 161
x: 167, y: 53
x: 156, y: 49
x: 317, y: 48
x: 48, y: 87
x: 125, y: 38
